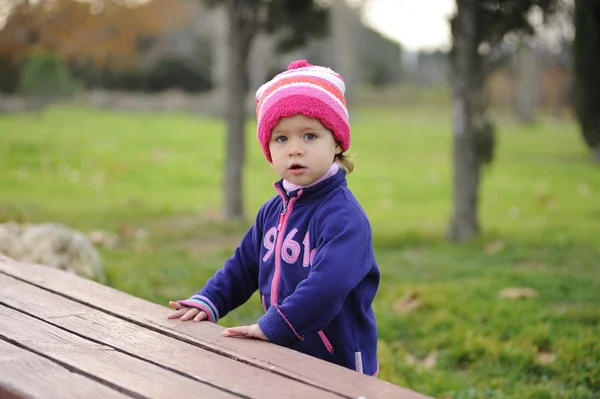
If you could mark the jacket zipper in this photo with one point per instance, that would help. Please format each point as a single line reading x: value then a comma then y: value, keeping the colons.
x: 283, y: 218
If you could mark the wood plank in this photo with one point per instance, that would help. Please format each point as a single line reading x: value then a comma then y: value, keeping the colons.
x: 154, y: 347
x: 7, y: 393
x: 206, y: 335
x: 128, y: 374
x: 24, y: 374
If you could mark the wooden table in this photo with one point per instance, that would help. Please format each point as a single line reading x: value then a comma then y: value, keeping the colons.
x: 62, y: 336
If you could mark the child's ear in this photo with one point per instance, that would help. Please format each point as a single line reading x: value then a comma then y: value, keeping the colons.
x: 338, y: 149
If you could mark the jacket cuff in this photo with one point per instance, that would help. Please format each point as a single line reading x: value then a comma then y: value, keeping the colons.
x: 277, y: 328
x: 204, y: 304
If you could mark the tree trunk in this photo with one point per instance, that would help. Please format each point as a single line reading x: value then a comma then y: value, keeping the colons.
x: 467, y: 102
x: 586, y: 51
x: 344, y: 36
x: 596, y: 154
x: 243, y: 24
x: 527, y: 88
x: 219, y: 38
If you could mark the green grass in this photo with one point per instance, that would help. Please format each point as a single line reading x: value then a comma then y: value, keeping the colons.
x: 540, y: 214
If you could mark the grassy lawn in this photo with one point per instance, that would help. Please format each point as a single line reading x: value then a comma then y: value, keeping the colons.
x: 540, y: 215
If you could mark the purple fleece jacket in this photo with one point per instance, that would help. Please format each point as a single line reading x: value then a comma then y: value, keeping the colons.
x: 310, y: 253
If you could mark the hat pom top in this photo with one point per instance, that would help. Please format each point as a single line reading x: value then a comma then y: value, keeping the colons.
x: 298, y: 64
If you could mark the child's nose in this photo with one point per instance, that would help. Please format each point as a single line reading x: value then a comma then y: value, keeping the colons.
x: 295, y: 148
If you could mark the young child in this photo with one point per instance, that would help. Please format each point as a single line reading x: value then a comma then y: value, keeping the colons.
x: 310, y: 250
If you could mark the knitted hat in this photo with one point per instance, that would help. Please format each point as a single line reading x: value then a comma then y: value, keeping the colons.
x: 310, y: 90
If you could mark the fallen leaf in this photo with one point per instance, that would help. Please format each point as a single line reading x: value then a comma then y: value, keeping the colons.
x: 141, y: 233
x: 385, y: 203
x: 583, y: 190
x: 413, y: 255
x: 544, y: 199
x: 142, y: 246
x: 104, y: 238
x: 513, y: 212
x: 546, y: 358
x: 22, y: 173
x: 158, y: 155
x: 98, y: 180
x: 407, y: 303
x: 433, y: 177
x: 530, y: 264
x: 495, y: 247
x: 427, y: 363
x: 397, y: 344
x: 430, y: 360
x: 126, y: 230
x: 517, y: 293
x: 410, y: 359
x: 74, y: 176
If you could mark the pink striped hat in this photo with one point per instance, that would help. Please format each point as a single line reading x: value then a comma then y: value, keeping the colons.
x: 310, y: 90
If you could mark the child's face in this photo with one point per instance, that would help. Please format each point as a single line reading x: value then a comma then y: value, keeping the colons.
x: 302, y: 149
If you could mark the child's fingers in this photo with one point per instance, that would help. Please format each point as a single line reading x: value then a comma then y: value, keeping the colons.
x: 253, y: 331
x: 201, y: 316
x: 256, y: 332
x: 177, y: 314
x: 190, y: 314
x: 185, y: 313
x: 236, y: 331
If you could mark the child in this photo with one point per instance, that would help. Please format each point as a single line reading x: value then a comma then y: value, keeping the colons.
x: 309, y: 252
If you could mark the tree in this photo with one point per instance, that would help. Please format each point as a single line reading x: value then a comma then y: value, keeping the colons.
x: 44, y: 76
x: 294, y: 22
x: 477, y: 27
x: 586, y: 56
x: 345, y: 35
x: 102, y: 32
x: 527, y: 83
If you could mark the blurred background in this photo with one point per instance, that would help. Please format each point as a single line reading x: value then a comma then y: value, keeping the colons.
x: 128, y: 155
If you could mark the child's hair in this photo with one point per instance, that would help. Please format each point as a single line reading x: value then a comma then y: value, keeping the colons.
x: 345, y: 162
x: 314, y: 91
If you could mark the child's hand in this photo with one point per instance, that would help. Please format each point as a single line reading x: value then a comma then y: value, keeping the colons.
x: 252, y: 331
x: 185, y: 313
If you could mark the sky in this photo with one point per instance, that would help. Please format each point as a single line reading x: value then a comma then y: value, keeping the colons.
x: 416, y: 24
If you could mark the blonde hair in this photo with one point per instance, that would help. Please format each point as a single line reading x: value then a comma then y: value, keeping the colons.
x: 344, y: 161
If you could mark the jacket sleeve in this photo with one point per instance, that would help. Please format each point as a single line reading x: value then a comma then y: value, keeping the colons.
x: 341, y: 262
x: 235, y: 282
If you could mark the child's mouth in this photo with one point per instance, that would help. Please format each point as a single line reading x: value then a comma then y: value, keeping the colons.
x: 296, y: 168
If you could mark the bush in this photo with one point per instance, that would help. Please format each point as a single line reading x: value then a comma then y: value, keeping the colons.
x: 8, y: 76
x: 179, y: 73
x: 44, y: 75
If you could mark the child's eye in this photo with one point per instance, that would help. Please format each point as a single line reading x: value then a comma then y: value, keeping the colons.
x: 281, y: 139
x: 310, y: 136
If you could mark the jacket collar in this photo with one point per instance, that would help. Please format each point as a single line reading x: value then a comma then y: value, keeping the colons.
x: 307, y: 194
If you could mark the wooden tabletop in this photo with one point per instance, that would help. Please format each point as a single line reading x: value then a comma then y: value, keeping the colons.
x: 62, y: 336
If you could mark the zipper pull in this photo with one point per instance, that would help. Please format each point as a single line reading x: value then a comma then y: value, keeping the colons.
x: 281, y: 215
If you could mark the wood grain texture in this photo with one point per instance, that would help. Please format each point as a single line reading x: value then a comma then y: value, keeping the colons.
x: 125, y: 373
x: 24, y: 374
x: 140, y: 342
x: 270, y: 357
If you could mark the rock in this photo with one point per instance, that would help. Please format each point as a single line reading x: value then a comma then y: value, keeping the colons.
x: 10, y: 243
x: 53, y: 245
